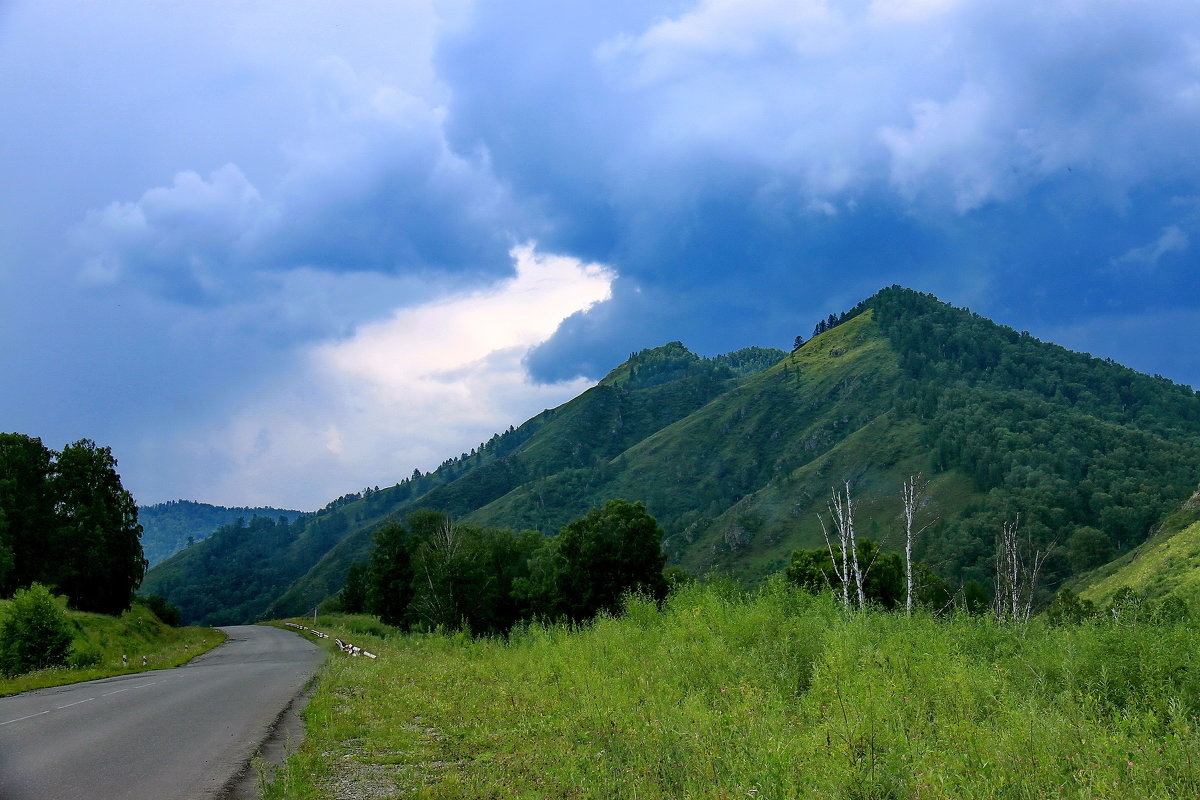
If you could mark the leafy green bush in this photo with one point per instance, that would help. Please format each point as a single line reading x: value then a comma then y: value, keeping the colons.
x: 35, y: 634
x: 83, y: 656
x: 165, y: 611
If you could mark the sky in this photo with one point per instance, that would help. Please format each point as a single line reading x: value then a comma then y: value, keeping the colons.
x: 274, y: 252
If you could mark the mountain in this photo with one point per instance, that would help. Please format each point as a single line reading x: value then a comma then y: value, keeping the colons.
x: 736, y: 455
x: 168, y: 527
x: 1166, y: 563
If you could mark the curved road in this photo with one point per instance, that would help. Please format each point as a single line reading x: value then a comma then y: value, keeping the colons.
x: 160, y: 735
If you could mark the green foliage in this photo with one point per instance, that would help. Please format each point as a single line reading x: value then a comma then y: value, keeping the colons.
x: 1165, y: 565
x: 101, y: 563
x: 66, y: 521
x: 1069, y: 608
x: 677, y: 577
x: 734, y: 460
x: 169, y: 527
x: 1130, y: 608
x: 1089, y: 548
x: 27, y: 512
x: 390, y: 576
x: 441, y: 574
x: 775, y: 693
x: 354, y: 598
x: 607, y: 553
x: 35, y: 633
x: 84, y: 655
x: 99, y: 641
x: 159, y: 606
x: 884, y: 582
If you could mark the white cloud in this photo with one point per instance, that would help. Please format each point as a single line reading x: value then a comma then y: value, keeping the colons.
x: 1172, y: 240
x: 371, y: 184
x: 176, y: 238
x: 953, y: 104
x: 425, y: 384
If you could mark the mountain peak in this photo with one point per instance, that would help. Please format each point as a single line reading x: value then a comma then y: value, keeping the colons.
x: 653, y: 366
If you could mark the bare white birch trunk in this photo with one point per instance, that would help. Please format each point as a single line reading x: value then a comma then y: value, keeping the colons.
x: 842, y: 508
x: 912, y: 496
x: 839, y: 571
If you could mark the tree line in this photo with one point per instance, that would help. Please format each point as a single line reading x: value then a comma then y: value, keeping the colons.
x: 66, y: 522
x: 434, y: 572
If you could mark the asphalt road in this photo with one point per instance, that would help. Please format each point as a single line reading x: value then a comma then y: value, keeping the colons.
x: 160, y: 735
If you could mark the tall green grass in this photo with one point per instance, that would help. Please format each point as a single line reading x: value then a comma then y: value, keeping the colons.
x: 100, y: 640
x: 774, y: 695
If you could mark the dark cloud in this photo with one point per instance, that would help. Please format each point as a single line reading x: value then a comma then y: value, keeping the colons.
x: 749, y: 165
x: 371, y: 186
x: 185, y: 220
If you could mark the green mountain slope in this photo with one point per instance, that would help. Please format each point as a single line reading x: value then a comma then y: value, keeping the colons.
x: 736, y: 455
x: 167, y: 527
x: 1166, y: 563
x: 231, y: 577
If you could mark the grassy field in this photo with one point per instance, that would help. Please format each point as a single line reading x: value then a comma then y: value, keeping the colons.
x: 777, y: 695
x: 100, y: 641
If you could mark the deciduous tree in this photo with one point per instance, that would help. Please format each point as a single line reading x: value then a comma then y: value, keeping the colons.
x: 100, y: 562
x: 608, y: 552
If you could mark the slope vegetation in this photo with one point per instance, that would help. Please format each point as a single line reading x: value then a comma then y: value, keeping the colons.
x: 1168, y: 563
x: 169, y: 527
x: 736, y: 456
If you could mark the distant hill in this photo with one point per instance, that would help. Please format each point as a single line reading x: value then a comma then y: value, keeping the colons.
x: 1166, y: 563
x: 167, y: 527
x: 736, y: 455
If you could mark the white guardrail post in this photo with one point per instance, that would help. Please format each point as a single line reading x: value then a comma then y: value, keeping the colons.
x: 345, y: 647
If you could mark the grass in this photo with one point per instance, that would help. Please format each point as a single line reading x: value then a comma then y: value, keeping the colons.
x: 773, y: 695
x: 101, y: 640
x: 1167, y: 563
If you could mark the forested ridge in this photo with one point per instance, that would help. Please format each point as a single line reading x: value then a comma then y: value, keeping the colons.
x: 735, y: 456
x: 169, y: 527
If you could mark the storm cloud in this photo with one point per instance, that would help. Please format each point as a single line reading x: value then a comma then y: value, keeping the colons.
x: 207, y: 200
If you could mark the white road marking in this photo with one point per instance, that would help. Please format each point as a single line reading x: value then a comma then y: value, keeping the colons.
x: 77, y: 702
x: 127, y: 688
x: 31, y: 716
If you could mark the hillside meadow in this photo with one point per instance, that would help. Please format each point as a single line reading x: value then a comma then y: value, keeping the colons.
x: 770, y: 694
x: 99, y: 641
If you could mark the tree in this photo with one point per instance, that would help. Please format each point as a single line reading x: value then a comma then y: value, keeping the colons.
x: 438, y: 566
x: 798, y: 343
x: 35, y: 634
x: 390, y: 575
x: 100, y: 561
x: 914, y: 497
x: 814, y: 571
x: 352, y: 599
x: 463, y: 577
x: 27, y: 517
x: 1069, y: 608
x: 1017, y: 568
x: 678, y: 577
x: 1089, y: 548
x: 848, y: 573
x: 608, y: 552
x: 161, y: 608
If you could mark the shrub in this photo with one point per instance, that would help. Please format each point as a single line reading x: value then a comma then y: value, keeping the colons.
x: 164, y: 610
x: 84, y: 656
x: 35, y: 634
